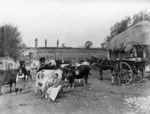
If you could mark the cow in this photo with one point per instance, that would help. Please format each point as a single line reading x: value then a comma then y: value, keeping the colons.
x: 80, y: 72
x: 44, y: 78
x: 59, y: 62
x: 7, y: 77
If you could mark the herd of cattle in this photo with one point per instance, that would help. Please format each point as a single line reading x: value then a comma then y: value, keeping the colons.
x: 66, y: 72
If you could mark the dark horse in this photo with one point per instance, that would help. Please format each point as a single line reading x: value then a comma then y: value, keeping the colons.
x: 103, y: 64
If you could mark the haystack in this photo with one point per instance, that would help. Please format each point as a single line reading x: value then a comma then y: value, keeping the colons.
x: 139, y: 34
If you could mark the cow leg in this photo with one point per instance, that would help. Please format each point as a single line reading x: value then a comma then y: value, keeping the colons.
x: 86, y: 78
x: 79, y: 80
x: 10, y: 87
x: 30, y: 77
x: 71, y: 82
x: 73, y: 85
x: 101, y: 73
x: 41, y: 93
x: 16, y: 89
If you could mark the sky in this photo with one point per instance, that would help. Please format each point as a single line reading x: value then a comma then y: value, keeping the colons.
x: 73, y: 22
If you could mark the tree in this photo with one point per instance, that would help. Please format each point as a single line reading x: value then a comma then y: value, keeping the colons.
x: 126, y: 23
x: 141, y: 16
x: 10, y: 41
x: 118, y: 28
x: 63, y: 45
x: 23, y: 45
x: 88, y: 44
x: 103, y: 45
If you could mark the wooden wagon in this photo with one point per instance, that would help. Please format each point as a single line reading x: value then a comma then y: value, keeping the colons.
x: 132, y: 49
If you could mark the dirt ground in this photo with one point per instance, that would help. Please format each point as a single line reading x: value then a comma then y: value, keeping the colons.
x: 99, y: 97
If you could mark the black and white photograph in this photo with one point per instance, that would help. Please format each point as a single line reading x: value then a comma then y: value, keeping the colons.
x: 74, y: 56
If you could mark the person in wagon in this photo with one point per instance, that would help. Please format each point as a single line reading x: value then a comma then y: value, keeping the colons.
x: 20, y: 81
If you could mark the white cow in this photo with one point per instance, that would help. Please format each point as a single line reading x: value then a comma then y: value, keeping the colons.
x: 45, y: 77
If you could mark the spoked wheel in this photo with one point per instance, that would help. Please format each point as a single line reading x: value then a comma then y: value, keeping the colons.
x: 126, y: 73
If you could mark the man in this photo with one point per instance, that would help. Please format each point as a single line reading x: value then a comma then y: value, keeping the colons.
x: 42, y: 64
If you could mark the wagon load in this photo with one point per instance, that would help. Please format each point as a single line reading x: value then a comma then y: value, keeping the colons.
x: 139, y: 34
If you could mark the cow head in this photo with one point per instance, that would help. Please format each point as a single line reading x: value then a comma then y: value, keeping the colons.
x: 69, y: 71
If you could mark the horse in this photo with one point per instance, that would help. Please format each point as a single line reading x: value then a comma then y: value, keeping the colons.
x: 103, y: 64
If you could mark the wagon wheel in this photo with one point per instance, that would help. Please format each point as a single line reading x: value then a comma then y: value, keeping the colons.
x: 126, y: 73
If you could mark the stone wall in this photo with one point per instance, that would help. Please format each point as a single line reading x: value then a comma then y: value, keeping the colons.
x: 67, y: 53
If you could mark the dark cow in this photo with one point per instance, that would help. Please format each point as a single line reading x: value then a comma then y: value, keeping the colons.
x: 81, y: 72
x: 7, y: 77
